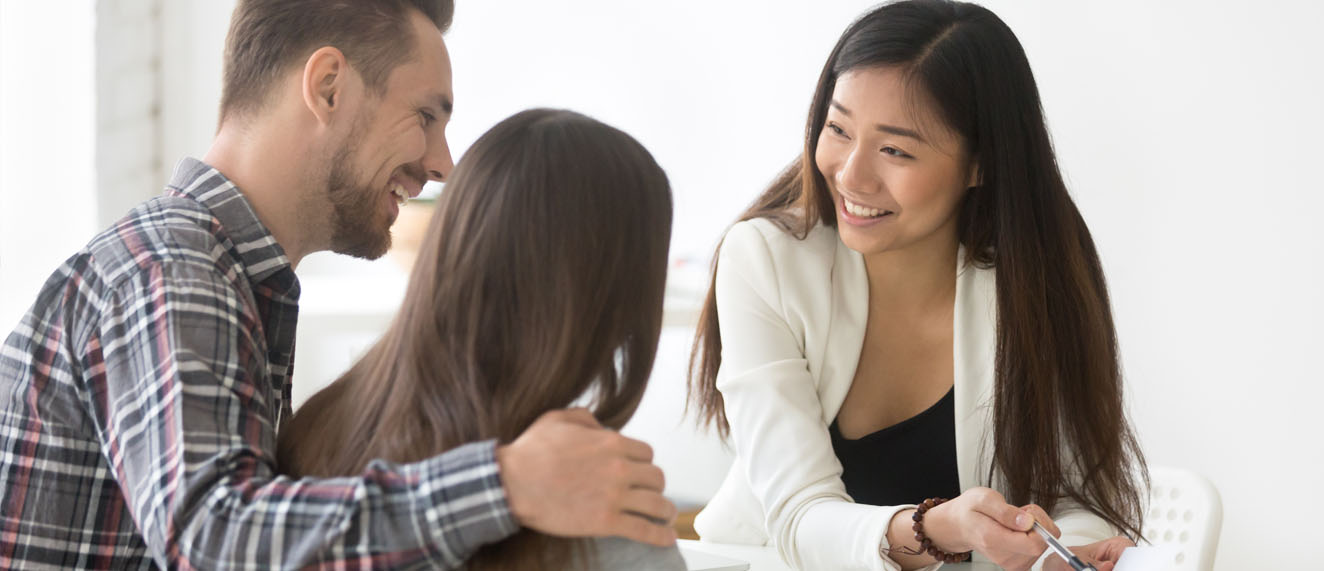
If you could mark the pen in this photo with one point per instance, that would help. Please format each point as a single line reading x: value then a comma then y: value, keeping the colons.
x: 1065, y: 553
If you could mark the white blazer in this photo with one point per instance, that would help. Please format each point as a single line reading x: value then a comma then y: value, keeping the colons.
x: 792, y: 315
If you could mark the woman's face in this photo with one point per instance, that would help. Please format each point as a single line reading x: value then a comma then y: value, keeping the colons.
x: 894, y: 183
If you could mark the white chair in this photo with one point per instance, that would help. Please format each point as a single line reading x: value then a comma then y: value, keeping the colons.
x: 1185, y: 514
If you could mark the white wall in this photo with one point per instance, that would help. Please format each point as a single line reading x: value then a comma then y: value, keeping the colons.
x: 47, y: 143
x: 128, y: 73
x: 193, y: 45
x: 81, y: 130
x: 1187, y: 131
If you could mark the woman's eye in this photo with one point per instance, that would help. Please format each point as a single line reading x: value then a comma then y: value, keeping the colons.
x: 427, y: 117
x: 894, y: 152
x: 836, y: 130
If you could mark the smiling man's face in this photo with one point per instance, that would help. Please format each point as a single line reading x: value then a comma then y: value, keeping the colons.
x: 397, y: 143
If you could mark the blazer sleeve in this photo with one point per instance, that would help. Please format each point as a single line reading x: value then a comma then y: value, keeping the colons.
x: 777, y: 421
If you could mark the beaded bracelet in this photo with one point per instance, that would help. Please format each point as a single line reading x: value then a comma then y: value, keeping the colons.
x: 925, y: 544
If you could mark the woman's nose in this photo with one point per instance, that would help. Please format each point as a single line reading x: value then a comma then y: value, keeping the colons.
x: 856, y: 174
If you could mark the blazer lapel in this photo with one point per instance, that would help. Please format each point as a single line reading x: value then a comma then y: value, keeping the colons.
x: 845, y: 330
x: 974, y: 333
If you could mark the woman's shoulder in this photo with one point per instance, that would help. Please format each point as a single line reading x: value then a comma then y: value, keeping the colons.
x: 786, y: 270
x: 764, y: 237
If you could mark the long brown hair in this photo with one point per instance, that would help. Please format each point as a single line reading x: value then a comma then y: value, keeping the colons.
x: 540, y: 281
x: 1060, y: 428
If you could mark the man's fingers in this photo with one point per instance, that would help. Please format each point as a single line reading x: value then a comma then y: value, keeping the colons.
x: 650, y: 504
x: 646, y: 477
x: 636, y: 450
x: 640, y: 529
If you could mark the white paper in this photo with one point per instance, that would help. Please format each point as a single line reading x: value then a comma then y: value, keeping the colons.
x: 1148, y: 558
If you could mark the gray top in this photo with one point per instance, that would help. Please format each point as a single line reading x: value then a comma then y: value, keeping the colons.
x: 615, y: 553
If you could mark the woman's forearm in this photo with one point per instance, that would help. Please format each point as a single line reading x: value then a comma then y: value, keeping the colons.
x: 901, y: 542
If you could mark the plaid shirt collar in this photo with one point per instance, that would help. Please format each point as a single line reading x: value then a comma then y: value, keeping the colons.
x: 262, y: 257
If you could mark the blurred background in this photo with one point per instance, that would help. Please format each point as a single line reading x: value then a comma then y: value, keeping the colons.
x: 1189, y: 133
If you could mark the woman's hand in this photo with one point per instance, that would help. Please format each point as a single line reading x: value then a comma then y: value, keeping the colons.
x: 981, y: 520
x: 1103, y: 555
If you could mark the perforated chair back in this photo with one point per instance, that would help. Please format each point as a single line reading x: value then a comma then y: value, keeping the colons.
x: 1185, y: 514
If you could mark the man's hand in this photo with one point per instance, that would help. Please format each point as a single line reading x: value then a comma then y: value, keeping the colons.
x: 568, y: 476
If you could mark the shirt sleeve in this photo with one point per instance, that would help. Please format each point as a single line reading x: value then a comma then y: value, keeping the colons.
x: 777, y: 425
x: 182, y: 405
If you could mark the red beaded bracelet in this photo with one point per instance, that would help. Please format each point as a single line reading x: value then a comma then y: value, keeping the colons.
x: 925, y: 544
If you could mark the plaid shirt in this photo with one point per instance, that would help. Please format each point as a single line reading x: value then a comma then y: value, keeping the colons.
x: 139, y: 402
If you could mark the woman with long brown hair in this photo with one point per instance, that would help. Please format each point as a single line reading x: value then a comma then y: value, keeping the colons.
x: 908, y: 337
x: 539, y: 283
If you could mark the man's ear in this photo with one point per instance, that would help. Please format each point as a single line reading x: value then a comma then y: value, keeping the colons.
x: 324, y: 78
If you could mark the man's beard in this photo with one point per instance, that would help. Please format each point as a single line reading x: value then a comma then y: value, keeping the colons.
x: 355, y: 227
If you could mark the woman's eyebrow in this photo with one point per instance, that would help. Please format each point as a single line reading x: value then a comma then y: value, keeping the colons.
x: 893, y: 129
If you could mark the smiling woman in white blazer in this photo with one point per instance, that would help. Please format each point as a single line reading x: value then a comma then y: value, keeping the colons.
x: 924, y: 244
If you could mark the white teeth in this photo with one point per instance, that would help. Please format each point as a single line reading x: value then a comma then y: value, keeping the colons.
x: 401, y: 196
x: 862, y: 211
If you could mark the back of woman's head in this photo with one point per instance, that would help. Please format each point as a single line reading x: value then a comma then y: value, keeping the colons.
x: 542, y: 274
x: 540, y: 281
x: 1056, y: 341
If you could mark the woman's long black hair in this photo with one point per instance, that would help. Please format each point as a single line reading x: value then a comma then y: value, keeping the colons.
x: 1060, y: 426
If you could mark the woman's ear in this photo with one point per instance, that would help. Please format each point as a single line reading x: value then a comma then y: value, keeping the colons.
x: 324, y: 79
x: 975, y: 178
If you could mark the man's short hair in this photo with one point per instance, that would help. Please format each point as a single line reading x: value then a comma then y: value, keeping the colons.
x: 267, y: 37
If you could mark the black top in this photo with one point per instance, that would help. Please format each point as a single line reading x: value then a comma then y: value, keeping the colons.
x: 904, y: 463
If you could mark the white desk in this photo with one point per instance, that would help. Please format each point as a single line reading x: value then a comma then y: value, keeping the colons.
x: 762, y: 558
